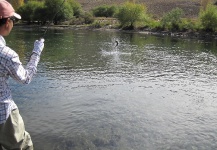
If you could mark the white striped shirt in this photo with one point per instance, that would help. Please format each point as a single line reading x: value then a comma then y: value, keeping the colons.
x: 10, y: 66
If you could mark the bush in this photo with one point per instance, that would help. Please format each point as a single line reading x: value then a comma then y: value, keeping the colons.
x: 77, y: 9
x: 27, y: 11
x: 208, y: 18
x: 58, y: 10
x: 50, y: 10
x: 40, y: 15
x: 88, y: 18
x: 97, y: 24
x: 85, y: 18
x: 16, y: 3
x: 189, y: 25
x: 153, y: 24
x: 172, y: 19
x: 132, y: 14
x: 105, y: 11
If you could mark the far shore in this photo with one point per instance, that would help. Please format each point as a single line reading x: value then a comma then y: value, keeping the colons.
x: 186, y: 34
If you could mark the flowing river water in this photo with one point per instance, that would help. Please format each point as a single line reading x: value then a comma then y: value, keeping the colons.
x: 147, y: 93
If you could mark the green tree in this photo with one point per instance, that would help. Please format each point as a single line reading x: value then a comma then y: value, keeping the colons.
x: 131, y: 14
x: 77, y: 9
x: 172, y: 19
x: 16, y: 3
x: 105, y: 11
x: 59, y: 10
x: 40, y: 15
x: 208, y: 18
x: 27, y: 11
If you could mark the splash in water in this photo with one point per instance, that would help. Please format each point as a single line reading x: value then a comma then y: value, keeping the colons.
x: 112, y: 47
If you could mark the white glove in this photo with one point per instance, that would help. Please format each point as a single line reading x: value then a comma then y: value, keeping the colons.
x: 38, y: 46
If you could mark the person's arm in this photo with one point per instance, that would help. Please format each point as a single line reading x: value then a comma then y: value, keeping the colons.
x: 21, y: 74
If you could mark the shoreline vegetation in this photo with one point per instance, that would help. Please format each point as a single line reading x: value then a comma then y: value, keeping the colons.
x: 179, y: 34
x: 125, y: 17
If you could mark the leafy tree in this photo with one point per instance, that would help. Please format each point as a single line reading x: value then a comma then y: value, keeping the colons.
x: 131, y: 14
x: 27, y: 11
x: 100, y: 11
x: 77, y: 9
x: 16, y: 3
x: 105, y: 11
x: 172, y: 19
x: 59, y: 10
x: 208, y: 18
x: 88, y: 18
x: 40, y: 15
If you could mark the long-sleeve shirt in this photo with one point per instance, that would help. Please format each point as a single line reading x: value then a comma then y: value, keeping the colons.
x: 10, y: 66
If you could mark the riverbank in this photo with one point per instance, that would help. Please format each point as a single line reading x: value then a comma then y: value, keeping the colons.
x: 110, y: 28
x: 186, y: 34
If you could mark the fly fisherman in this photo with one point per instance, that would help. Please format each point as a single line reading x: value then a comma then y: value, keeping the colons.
x: 12, y: 129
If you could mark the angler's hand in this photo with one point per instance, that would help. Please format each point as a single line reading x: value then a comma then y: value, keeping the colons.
x: 38, y: 46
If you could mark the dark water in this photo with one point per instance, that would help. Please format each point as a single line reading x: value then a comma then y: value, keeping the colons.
x: 149, y: 93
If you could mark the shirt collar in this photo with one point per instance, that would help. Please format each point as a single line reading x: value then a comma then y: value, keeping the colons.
x: 2, y: 41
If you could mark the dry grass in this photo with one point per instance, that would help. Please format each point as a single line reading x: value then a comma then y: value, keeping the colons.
x: 155, y: 7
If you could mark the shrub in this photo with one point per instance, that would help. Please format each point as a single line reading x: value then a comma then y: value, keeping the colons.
x: 77, y: 9
x: 40, y: 15
x: 97, y: 24
x: 153, y: 24
x: 172, y: 19
x: 208, y: 18
x: 105, y: 11
x: 85, y: 18
x: 27, y: 11
x: 88, y: 18
x: 189, y: 25
x: 50, y: 10
x: 16, y: 3
x: 58, y: 11
x: 132, y: 14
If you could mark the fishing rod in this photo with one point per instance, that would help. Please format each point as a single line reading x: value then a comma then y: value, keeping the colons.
x: 49, y: 23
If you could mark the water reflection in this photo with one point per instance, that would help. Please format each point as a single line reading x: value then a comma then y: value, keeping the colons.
x: 149, y: 92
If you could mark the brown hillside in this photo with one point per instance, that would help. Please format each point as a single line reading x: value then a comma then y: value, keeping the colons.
x: 154, y: 7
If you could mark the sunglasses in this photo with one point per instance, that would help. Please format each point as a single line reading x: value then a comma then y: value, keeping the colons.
x: 15, y: 20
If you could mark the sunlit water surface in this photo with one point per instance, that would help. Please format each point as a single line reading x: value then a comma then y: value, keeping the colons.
x: 148, y: 93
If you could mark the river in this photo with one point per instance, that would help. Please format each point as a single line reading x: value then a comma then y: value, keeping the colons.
x: 148, y: 93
